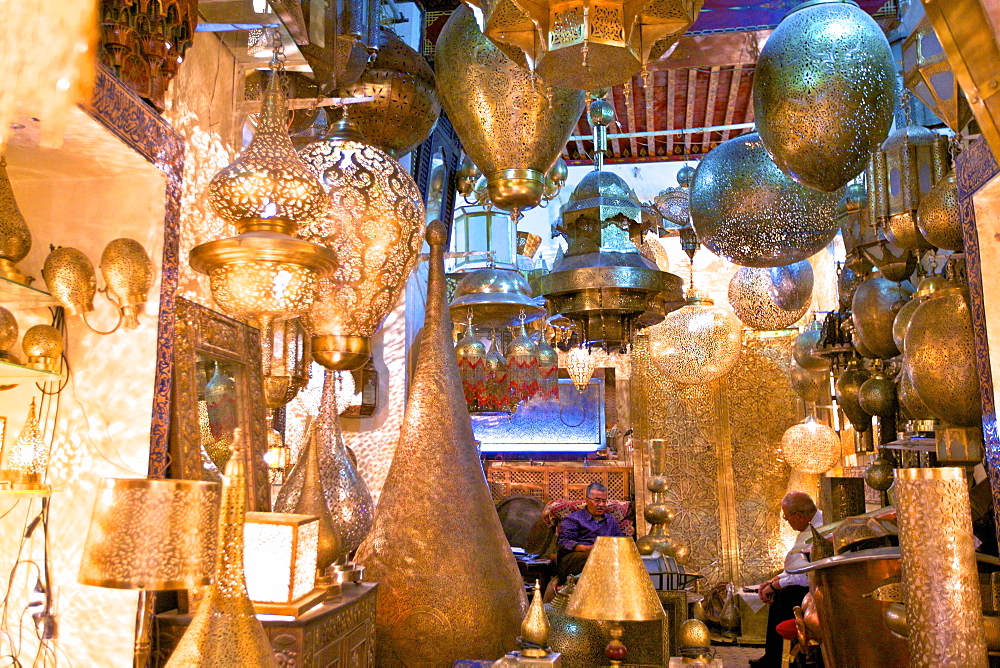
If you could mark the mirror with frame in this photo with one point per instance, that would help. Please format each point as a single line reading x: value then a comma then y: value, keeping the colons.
x: 217, y: 387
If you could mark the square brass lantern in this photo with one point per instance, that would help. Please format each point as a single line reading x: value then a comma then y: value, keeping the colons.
x: 279, y: 562
x: 928, y: 75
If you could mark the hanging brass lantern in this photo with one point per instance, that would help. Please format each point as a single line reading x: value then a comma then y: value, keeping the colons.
x: 854, y: 272
x: 674, y: 203
x: 70, y: 278
x: 808, y: 383
x: 941, y: 357
x: 374, y: 224
x: 824, y: 91
x: 426, y: 615
x: 347, y: 37
x: 895, y: 263
x: 522, y: 367
x: 873, y: 311
x: 498, y: 395
x: 697, y: 343
x: 911, y: 403
x: 15, y: 237
x: 265, y: 273
x: 471, y: 355
x: 851, y: 211
x: 938, y: 217
x: 916, y: 159
x: 848, y: 386
x: 877, y: 395
x: 406, y: 108
x: 287, y: 360
x: 746, y: 210
x: 580, y: 365
x: 804, y: 348
x: 880, y: 474
x: 927, y: 73
x: 928, y: 285
x: 511, y: 123
x: 585, y: 44
x: 750, y: 291
x: 810, y: 447
x: 128, y: 273
x: 495, y: 297
x: 548, y: 370
x: 602, y: 282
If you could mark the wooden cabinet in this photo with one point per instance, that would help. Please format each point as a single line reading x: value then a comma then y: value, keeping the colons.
x: 338, y: 634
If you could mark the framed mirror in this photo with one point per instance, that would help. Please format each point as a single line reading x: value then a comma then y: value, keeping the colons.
x: 435, y: 163
x: 217, y: 387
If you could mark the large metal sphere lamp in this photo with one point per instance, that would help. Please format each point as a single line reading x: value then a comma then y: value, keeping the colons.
x: 938, y: 216
x: 750, y: 295
x: 873, y: 311
x: 810, y: 447
x: 824, y: 92
x: 697, y: 343
x: 746, y: 210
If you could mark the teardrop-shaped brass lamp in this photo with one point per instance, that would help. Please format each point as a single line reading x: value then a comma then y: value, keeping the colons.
x: 70, y: 278
x: 436, y: 603
x: 15, y: 237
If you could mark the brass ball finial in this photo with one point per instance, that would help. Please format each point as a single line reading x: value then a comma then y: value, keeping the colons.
x: 437, y: 233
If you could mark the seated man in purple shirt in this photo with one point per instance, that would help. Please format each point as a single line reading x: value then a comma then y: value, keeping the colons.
x: 579, y: 530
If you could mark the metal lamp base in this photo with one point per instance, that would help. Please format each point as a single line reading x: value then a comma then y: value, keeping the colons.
x: 341, y: 353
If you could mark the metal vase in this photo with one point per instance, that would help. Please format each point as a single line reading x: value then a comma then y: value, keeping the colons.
x: 940, y: 578
x: 440, y: 600
x: 824, y: 92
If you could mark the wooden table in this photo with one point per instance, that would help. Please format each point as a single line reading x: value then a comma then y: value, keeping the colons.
x: 335, y: 634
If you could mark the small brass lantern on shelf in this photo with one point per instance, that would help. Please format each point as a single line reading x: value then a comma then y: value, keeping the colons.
x: 43, y: 346
x: 15, y: 237
x: 279, y: 560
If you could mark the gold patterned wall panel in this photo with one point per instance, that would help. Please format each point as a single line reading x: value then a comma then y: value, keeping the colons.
x: 726, y: 476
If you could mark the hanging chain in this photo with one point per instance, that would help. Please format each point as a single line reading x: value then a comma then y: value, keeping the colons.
x: 278, y: 58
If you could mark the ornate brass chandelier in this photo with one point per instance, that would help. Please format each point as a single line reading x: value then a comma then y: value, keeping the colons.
x: 374, y: 224
x: 602, y: 283
x: 673, y: 204
x: 580, y: 364
x: 265, y: 273
x: 585, y: 44
x: 697, y: 343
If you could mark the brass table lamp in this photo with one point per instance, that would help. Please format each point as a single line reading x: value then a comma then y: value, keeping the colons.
x: 615, y: 587
x: 151, y: 535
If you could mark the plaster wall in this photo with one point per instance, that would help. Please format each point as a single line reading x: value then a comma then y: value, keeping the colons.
x: 92, y: 190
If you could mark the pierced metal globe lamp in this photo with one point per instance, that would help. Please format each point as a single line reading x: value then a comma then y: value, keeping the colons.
x: 697, y: 343
x: 811, y: 447
x: 375, y: 225
x: 751, y: 294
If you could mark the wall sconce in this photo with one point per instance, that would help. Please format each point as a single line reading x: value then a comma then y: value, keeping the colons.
x: 28, y: 458
x: 43, y: 345
x: 279, y: 561
x: 128, y: 274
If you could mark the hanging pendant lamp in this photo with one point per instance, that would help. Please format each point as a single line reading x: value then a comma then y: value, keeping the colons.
x: 580, y: 364
x: 374, y: 224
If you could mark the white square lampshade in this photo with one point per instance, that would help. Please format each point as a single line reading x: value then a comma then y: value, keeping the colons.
x: 279, y: 561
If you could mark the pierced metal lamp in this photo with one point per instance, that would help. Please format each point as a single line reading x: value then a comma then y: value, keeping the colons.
x: 279, y: 561
x: 128, y: 273
x: 615, y: 587
x: 580, y: 364
x: 150, y: 535
x: 15, y: 237
x: 697, y: 343
x: 43, y: 345
x: 374, y: 224
x: 811, y: 447
x: 28, y: 457
x: 927, y: 73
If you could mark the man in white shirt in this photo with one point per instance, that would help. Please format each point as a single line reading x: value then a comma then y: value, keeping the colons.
x: 785, y: 591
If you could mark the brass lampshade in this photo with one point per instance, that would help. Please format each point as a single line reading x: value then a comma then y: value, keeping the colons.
x: 938, y: 216
x: 15, y: 237
x: 43, y: 346
x: 614, y: 585
x: 374, y: 225
x: 151, y: 534
x: 818, y: 114
x: 496, y: 298
x: 746, y: 210
x: 928, y: 75
x: 674, y: 203
x: 916, y: 159
x: 810, y: 447
x: 511, y: 124
x: 568, y: 50
x: 70, y: 278
x: 128, y: 273
x: 28, y: 458
x: 697, y: 343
